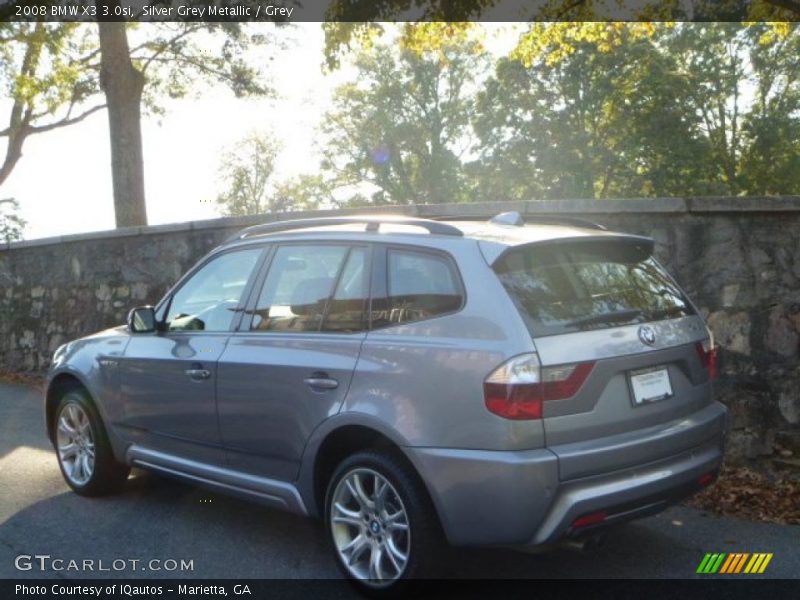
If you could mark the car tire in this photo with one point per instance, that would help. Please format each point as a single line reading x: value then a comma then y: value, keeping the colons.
x: 380, y: 521
x: 84, y: 452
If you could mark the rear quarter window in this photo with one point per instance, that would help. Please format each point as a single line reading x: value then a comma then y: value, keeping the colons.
x: 579, y: 286
x: 419, y: 285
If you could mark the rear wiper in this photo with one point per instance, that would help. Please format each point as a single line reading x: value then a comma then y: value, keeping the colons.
x: 620, y: 316
x: 669, y: 311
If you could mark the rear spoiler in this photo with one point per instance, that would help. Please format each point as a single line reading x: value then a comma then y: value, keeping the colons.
x: 494, y: 251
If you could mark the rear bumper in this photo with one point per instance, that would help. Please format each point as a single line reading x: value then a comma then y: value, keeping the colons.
x: 641, y: 446
x: 630, y: 493
x: 517, y: 499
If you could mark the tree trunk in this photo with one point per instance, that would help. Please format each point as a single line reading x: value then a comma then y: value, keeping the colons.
x: 16, y: 137
x: 123, y: 86
x: 21, y: 113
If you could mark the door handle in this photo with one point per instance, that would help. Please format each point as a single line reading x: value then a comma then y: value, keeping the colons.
x: 198, y: 374
x: 321, y: 382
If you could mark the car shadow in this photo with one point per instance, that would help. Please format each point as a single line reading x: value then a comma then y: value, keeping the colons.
x: 225, y: 537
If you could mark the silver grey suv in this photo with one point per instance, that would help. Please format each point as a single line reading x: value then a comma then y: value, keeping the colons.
x: 409, y: 382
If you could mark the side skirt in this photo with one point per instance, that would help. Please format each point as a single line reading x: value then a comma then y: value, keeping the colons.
x: 271, y: 492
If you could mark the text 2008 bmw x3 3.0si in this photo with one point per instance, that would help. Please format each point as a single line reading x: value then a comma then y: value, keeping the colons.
x: 407, y: 381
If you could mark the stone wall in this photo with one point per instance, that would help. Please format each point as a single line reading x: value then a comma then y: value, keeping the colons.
x: 739, y: 259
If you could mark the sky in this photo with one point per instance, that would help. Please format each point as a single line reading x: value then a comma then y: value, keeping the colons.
x: 63, y: 181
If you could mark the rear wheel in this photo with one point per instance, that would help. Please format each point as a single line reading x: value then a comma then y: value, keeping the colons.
x: 382, y: 526
x: 84, y: 453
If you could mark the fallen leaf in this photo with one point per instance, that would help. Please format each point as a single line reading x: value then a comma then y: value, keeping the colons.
x: 748, y: 494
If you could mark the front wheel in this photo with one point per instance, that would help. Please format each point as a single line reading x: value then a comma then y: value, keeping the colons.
x: 84, y: 453
x: 382, y: 526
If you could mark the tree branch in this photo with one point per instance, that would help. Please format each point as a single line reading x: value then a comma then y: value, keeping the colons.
x: 168, y: 45
x: 568, y: 9
x: 196, y: 64
x: 65, y: 121
x: 791, y: 5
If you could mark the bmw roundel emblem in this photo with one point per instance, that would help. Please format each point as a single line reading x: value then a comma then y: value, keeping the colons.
x: 647, y: 335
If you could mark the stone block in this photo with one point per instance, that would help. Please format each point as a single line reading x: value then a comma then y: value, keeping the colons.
x: 781, y: 336
x: 789, y: 406
x: 731, y: 330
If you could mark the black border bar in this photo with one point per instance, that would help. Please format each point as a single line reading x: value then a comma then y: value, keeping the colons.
x: 361, y: 11
x: 730, y: 588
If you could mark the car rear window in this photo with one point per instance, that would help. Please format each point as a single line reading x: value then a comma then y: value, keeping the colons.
x: 579, y: 286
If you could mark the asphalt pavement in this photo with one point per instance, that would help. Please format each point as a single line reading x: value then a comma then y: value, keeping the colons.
x: 221, y: 537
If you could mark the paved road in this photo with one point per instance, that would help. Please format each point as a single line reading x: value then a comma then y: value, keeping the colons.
x: 156, y: 518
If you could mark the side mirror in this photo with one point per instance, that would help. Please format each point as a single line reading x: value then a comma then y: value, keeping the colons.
x: 142, y: 319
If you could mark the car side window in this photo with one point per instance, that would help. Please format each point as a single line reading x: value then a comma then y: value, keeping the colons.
x: 346, y: 310
x: 209, y: 298
x: 297, y: 287
x: 420, y: 285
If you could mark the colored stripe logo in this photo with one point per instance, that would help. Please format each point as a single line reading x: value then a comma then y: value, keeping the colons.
x: 735, y: 562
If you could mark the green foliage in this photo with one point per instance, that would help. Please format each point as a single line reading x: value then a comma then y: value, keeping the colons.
x: 305, y: 192
x: 591, y: 110
x: 643, y: 110
x: 12, y: 225
x: 554, y: 42
x: 42, y: 64
x: 51, y: 71
x: 247, y: 171
x: 179, y: 59
x: 44, y: 73
x: 742, y: 83
x: 770, y: 159
x: 399, y: 132
x: 597, y: 122
x: 353, y: 24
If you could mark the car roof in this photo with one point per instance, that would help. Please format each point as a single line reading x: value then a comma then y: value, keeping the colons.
x: 495, y: 235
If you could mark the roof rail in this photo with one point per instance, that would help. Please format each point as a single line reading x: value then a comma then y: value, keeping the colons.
x: 574, y: 221
x: 511, y: 219
x: 372, y: 222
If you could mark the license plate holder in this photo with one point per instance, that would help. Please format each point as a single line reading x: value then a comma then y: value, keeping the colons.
x: 649, y: 385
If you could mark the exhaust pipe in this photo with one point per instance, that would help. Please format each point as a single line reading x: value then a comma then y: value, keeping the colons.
x: 589, y: 543
x: 584, y: 544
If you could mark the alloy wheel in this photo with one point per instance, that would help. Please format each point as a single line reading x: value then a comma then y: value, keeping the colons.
x: 370, y: 527
x: 75, y: 444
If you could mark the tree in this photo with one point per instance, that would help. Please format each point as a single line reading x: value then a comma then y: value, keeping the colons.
x: 609, y: 109
x: 123, y: 85
x: 11, y: 224
x: 400, y: 131
x: 57, y: 74
x: 247, y: 171
x: 591, y: 123
x: 752, y: 137
x: 615, y: 110
x: 710, y: 59
x: 354, y: 23
x: 166, y: 61
x: 306, y: 192
x: 771, y: 160
x: 43, y: 71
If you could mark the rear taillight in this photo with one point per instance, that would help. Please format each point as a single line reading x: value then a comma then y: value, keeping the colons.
x: 590, y: 519
x: 706, y: 479
x: 517, y: 388
x: 708, y: 356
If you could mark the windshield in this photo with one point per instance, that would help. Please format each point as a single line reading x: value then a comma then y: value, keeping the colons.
x: 567, y: 287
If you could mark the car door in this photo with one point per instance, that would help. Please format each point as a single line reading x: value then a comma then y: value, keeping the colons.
x: 168, y: 378
x: 290, y: 364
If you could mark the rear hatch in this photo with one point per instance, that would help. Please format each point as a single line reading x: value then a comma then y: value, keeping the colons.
x: 608, y: 321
